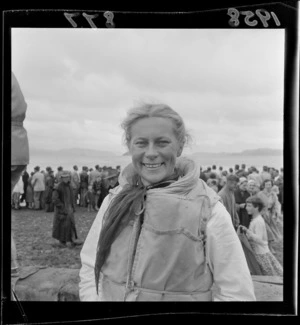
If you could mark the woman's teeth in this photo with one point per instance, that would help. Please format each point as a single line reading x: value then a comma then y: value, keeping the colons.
x: 152, y: 165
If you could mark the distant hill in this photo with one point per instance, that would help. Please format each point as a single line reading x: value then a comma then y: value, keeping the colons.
x: 86, y: 152
x: 253, y: 152
x: 261, y: 152
x: 76, y: 152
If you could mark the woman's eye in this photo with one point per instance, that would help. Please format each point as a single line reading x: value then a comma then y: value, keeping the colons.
x: 140, y: 143
x: 163, y: 143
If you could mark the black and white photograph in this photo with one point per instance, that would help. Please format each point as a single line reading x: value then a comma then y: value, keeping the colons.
x: 147, y: 164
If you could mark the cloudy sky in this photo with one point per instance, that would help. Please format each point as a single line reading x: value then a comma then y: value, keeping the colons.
x: 78, y: 83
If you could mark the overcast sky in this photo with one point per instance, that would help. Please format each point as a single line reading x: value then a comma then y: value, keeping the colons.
x: 78, y: 83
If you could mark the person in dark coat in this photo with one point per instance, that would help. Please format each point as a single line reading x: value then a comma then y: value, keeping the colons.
x: 25, y: 178
x: 84, y: 180
x: 241, y: 194
x: 49, y: 185
x: 228, y: 199
x: 64, y: 229
x: 109, y: 182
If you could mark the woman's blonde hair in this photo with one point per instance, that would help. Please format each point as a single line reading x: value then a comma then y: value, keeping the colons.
x: 147, y: 110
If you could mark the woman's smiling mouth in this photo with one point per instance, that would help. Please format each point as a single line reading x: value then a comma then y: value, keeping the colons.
x: 150, y: 166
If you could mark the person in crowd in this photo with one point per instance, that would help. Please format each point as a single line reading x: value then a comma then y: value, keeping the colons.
x: 136, y: 250
x: 38, y: 184
x: 220, y: 171
x: 118, y: 168
x: 275, y: 175
x: 49, y: 187
x: 17, y: 193
x: 253, y: 187
x: 236, y: 169
x: 272, y: 173
x: 112, y: 179
x: 58, y: 174
x: 104, y: 172
x: 257, y: 235
x: 223, y: 180
x: 19, y: 152
x: 241, y: 194
x: 230, y: 171
x: 104, y: 185
x: 228, y: 199
x: 64, y: 228
x: 25, y: 177
x: 255, y: 176
x: 42, y: 198
x: 213, y: 183
x: 242, y: 172
x: 202, y: 175
x: 265, y: 174
x: 207, y: 172
x: 94, y: 174
x: 281, y: 172
x: 279, y: 182
x: 275, y: 189
x: 97, y: 191
x: 90, y: 199
x: 75, y: 183
x: 29, y: 193
x: 214, y: 170
x: 84, y: 180
x: 270, y: 212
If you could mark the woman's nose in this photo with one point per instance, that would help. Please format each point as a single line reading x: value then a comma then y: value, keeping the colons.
x: 151, y: 151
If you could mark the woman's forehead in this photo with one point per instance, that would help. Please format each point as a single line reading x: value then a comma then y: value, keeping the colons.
x: 152, y: 127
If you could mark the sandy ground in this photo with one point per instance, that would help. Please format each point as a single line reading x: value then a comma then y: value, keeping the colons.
x: 33, y: 236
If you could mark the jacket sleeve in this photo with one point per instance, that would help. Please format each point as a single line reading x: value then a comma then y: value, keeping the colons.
x: 226, y: 259
x: 87, y: 286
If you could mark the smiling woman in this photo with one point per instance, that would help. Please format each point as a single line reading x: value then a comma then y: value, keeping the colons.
x: 162, y: 234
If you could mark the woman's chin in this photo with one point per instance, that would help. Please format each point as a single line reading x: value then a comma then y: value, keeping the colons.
x: 150, y: 180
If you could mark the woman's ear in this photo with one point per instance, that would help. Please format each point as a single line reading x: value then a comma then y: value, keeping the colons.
x: 180, y: 149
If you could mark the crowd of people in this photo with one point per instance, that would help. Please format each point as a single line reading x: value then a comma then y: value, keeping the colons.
x: 235, y: 187
x: 62, y: 192
x: 89, y: 187
x: 242, y: 191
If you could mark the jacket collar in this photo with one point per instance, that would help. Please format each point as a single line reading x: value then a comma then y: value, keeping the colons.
x: 188, y: 178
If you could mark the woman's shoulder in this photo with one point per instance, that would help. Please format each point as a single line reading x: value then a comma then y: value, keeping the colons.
x: 219, y: 216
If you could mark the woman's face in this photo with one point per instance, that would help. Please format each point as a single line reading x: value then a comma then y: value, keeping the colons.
x: 154, y: 149
x: 243, y: 186
x: 251, y: 187
x: 268, y: 186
